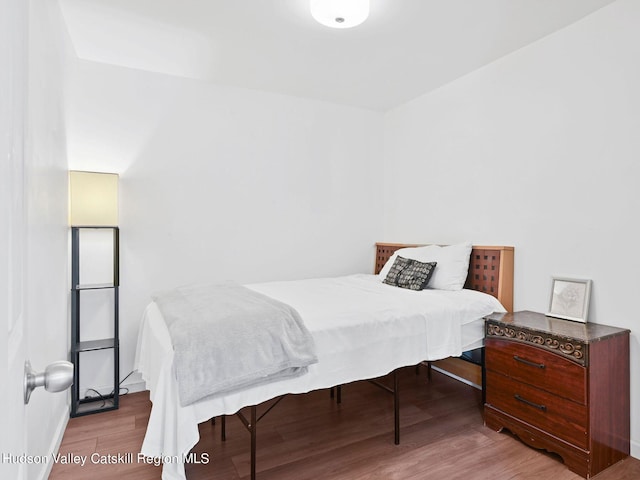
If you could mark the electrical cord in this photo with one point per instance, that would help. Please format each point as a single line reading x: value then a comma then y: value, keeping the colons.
x: 104, y: 398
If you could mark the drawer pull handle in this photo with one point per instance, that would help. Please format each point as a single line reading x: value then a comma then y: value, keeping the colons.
x: 527, y: 362
x: 531, y: 404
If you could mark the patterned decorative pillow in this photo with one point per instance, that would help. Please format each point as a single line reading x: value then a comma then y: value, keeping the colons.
x: 411, y: 274
x: 417, y: 275
x: 398, y: 266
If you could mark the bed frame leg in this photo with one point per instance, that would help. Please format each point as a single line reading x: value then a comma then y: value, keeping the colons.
x: 484, y: 377
x: 254, y: 424
x: 223, y: 426
x: 396, y: 408
x: 338, y: 395
x: 428, y: 364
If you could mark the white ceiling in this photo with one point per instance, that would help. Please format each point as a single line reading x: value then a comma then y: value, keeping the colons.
x: 405, y: 49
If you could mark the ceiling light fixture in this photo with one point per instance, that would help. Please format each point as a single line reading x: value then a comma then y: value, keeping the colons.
x: 340, y: 13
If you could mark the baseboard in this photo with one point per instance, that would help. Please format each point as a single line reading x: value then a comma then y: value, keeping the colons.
x: 132, y: 385
x: 462, y: 370
x: 456, y: 377
x: 635, y: 449
x: 136, y: 386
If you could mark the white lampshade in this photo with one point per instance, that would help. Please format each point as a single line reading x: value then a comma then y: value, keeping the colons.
x: 340, y: 13
x: 93, y: 199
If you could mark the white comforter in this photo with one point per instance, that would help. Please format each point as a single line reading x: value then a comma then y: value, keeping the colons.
x: 362, y: 329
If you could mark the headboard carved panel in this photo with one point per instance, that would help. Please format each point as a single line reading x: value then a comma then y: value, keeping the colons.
x: 490, y: 269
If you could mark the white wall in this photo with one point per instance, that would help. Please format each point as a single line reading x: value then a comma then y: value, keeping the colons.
x: 47, y: 281
x: 538, y: 150
x: 223, y: 183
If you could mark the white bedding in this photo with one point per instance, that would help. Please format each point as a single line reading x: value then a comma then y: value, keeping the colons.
x: 362, y: 329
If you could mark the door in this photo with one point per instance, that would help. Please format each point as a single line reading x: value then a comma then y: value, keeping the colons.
x: 13, y: 338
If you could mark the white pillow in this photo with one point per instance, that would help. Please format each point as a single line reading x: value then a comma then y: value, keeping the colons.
x: 452, y: 264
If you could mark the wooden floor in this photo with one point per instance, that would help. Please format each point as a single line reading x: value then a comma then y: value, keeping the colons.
x: 309, y: 437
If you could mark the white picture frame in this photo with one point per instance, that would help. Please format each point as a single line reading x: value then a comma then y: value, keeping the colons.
x: 570, y: 298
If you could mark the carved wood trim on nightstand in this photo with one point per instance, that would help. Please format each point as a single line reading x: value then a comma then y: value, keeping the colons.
x: 569, y: 348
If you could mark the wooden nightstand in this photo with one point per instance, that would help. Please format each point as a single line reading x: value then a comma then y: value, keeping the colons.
x: 559, y: 385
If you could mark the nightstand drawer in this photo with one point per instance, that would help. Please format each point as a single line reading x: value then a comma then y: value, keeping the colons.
x: 548, y: 412
x: 537, y: 367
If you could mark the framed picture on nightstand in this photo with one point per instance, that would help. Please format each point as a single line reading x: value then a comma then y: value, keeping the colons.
x: 570, y: 298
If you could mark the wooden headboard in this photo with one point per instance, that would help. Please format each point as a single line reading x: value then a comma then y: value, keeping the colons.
x: 490, y: 269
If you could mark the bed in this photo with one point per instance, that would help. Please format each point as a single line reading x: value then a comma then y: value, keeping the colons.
x: 366, y: 330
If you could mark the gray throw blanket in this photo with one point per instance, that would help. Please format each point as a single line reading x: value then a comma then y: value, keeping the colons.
x: 227, y: 337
